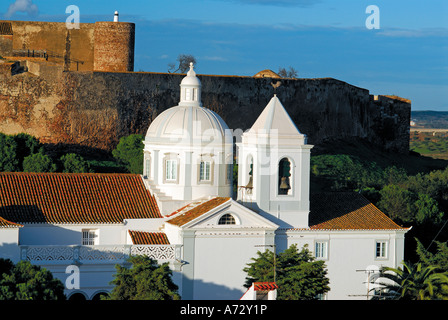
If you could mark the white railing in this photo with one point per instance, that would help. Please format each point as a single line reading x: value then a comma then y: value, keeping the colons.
x: 98, y: 254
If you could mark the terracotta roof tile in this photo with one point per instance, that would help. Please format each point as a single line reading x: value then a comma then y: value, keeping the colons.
x: 197, y: 211
x: 8, y: 224
x: 74, y: 198
x: 347, y: 211
x: 143, y: 237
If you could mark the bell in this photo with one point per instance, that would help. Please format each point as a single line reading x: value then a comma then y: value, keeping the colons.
x: 250, y: 183
x: 284, y: 183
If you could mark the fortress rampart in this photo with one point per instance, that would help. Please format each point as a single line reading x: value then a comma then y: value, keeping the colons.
x: 102, y: 46
x: 96, y: 102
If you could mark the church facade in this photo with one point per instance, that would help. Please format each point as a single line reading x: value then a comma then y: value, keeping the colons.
x: 180, y: 210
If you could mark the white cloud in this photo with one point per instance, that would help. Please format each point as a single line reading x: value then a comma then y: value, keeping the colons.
x: 26, y: 6
x: 214, y: 58
x: 413, y: 33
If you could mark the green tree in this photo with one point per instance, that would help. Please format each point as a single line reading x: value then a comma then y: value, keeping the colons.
x: 397, y: 203
x: 427, y: 210
x: 38, y: 162
x: 25, y: 281
x: 129, y: 153
x: 412, y: 282
x: 75, y: 163
x: 298, y: 275
x: 144, y: 280
x: 438, y: 259
x: 26, y: 145
x: 8, y: 154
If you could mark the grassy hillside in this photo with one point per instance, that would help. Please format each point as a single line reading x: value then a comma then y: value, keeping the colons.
x: 430, y: 144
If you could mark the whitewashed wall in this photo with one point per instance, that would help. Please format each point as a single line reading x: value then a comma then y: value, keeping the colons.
x: 9, y: 238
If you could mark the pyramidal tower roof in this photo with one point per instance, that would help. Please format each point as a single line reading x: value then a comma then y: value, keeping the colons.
x: 275, y: 117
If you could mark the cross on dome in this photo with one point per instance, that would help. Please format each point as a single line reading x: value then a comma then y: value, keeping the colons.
x: 191, y: 72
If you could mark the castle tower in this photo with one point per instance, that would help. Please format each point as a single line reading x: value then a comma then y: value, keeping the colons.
x: 273, y: 168
x: 114, y: 46
x: 188, y: 153
x: 6, y: 37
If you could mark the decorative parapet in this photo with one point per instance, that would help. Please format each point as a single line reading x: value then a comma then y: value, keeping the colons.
x: 98, y: 254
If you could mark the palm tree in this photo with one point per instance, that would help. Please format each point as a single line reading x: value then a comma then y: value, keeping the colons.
x: 412, y: 282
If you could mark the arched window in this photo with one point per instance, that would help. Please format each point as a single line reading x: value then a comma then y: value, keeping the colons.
x: 284, y: 174
x: 227, y: 219
x: 250, y: 173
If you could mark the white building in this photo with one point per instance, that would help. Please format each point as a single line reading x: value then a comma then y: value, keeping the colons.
x: 180, y: 210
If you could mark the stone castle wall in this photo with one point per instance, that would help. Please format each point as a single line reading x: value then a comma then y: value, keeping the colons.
x: 103, y: 46
x: 95, y: 109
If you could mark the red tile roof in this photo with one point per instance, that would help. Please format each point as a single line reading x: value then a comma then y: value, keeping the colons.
x: 8, y: 224
x: 347, y: 211
x: 74, y: 198
x: 197, y: 211
x: 143, y: 237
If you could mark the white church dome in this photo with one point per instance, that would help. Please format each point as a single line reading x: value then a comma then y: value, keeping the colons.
x: 189, y: 123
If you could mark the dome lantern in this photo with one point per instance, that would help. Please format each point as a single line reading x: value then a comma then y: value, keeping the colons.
x: 190, y: 89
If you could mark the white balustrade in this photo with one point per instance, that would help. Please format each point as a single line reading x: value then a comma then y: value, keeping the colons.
x: 98, y: 254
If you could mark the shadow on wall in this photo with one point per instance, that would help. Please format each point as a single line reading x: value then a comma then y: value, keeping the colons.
x: 212, y: 291
x: 10, y: 251
x: 34, y: 234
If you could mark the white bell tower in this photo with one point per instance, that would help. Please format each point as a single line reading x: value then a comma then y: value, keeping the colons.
x: 273, y: 168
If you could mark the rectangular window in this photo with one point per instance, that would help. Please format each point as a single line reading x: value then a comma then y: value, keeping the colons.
x: 89, y: 237
x: 381, y: 249
x: 321, y: 249
x: 171, y: 170
x: 204, y: 171
x: 147, y: 167
x: 229, y: 173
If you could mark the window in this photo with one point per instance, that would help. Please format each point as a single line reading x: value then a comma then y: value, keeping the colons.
x: 147, y: 167
x: 250, y: 176
x: 321, y: 249
x: 171, y: 170
x: 381, y: 249
x: 204, y: 171
x: 188, y: 94
x: 227, y: 219
x: 229, y: 178
x: 89, y: 237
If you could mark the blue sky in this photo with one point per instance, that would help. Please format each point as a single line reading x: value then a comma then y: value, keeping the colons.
x: 406, y: 56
